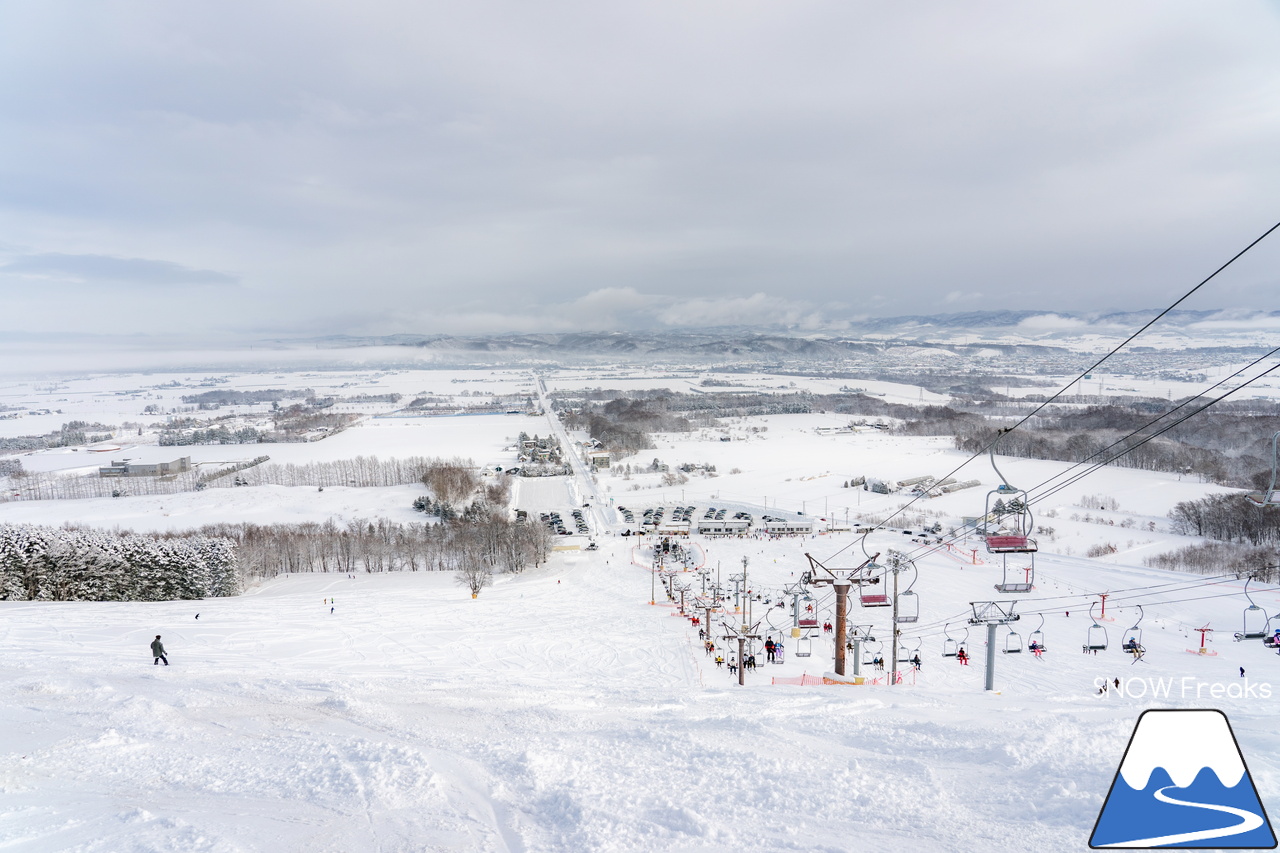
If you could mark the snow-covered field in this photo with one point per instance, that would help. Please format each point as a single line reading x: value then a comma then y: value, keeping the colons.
x: 561, y: 711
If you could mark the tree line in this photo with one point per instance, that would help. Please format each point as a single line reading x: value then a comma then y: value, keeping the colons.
x: 1227, y: 518
x: 493, y: 542
x: 39, y: 563
x: 360, y: 471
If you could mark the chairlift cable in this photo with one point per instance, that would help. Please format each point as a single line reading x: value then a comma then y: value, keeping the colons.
x: 1081, y: 376
x: 1162, y: 416
x: 1095, y: 466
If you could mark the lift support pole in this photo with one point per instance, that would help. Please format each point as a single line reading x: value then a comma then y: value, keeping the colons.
x: 842, y: 580
x: 991, y: 655
x: 992, y: 614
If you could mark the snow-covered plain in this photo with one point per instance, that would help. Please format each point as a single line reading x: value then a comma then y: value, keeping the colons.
x: 561, y: 711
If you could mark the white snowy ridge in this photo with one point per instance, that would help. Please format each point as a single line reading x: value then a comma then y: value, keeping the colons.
x: 1183, y: 743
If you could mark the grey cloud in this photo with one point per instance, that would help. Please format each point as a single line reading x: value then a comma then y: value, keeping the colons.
x: 507, y: 164
x: 104, y: 268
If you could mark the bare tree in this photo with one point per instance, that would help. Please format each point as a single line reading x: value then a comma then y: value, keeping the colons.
x: 474, y: 577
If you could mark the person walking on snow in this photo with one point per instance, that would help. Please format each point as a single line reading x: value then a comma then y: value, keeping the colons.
x: 157, y: 649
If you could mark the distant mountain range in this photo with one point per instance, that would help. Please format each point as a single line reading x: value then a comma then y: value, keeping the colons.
x: 1008, y: 331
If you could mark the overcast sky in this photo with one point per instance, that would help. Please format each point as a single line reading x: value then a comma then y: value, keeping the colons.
x: 277, y: 168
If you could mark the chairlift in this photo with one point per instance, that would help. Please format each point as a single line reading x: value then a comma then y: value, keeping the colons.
x: 1013, y: 643
x: 908, y: 601
x: 906, y: 654
x: 1097, y: 638
x: 1024, y: 584
x: 1254, y: 625
x: 951, y: 646
x: 1008, y: 523
x: 869, y: 655
x: 1035, y: 642
x: 1271, y: 637
x: 1133, y: 645
x: 804, y: 647
x: 1270, y: 497
x: 872, y: 599
x: 810, y: 618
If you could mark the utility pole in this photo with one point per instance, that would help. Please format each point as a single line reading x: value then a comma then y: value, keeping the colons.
x: 842, y: 580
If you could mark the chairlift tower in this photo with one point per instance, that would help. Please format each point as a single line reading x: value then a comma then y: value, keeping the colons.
x: 896, y: 563
x: 841, y: 580
x: 739, y: 584
x: 668, y: 583
x: 742, y: 634
x: 993, y: 614
x: 858, y: 635
x: 795, y: 590
x: 681, y: 588
x: 707, y: 607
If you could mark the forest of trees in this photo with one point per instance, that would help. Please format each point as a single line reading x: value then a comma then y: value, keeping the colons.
x: 360, y: 471
x: 1226, y: 445
x: 1227, y: 518
x: 379, y: 545
x: 229, y: 397
x: 66, y: 564
x: 69, y: 434
x: 1217, y: 558
x: 69, y: 564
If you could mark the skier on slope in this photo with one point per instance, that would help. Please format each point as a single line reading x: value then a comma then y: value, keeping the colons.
x: 157, y: 649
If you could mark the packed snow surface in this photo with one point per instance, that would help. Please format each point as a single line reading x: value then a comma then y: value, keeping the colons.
x: 561, y: 711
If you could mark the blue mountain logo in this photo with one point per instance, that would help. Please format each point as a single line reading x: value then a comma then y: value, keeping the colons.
x: 1183, y: 784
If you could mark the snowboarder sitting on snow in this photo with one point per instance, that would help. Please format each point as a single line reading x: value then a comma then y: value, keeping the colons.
x: 157, y: 649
